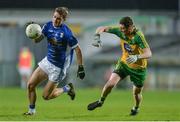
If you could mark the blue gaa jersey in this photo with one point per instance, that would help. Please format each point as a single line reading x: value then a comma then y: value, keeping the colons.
x: 61, y: 43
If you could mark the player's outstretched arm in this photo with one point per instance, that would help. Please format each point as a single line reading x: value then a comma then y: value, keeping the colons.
x: 102, y: 29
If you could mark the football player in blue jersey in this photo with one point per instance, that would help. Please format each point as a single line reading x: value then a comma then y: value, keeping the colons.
x: 61, y: 44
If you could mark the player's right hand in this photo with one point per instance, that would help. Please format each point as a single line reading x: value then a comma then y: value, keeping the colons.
x: 97, y: 42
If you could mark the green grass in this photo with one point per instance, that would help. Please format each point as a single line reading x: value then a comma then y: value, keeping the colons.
x: 157, y: 105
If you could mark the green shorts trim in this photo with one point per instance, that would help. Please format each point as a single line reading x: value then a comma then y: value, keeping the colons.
x: 137, y: 76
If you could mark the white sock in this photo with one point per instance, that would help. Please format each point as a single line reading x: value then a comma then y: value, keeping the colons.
x: 32, y: 110
x: 66, y: 88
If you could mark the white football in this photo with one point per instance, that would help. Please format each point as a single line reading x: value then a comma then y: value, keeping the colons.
x: 33, y: 31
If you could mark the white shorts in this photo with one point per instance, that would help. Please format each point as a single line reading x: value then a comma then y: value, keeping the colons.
x: 55, y: 74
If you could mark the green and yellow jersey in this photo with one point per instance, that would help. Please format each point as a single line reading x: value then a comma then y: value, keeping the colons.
x: 132, y: 45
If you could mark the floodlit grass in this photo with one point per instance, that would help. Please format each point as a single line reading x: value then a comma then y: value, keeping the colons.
x: 157, y: 105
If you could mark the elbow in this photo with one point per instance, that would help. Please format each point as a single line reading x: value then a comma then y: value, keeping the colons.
x: 150, y: 54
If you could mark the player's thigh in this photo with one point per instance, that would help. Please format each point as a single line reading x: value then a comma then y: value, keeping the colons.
x: 37, y: 76
x: 137, y: 77
x: 114, y: 79
x: 120, y: 70
x: 49, y: 87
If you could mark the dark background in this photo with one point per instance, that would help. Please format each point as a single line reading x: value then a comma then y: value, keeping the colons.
x: 160, y: 5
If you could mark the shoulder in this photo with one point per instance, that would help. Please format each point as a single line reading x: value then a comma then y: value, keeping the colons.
x: 140, y: 39
x: 66, y: 29
x: 139, y: 35
x: 139, y: 32
x: 47, y: 24
x: 64, y: 26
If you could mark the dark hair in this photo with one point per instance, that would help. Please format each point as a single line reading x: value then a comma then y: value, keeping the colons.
x: 63, y: 11
x: 126, y: 21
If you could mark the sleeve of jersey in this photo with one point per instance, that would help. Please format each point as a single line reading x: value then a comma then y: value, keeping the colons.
x: 72, y: 41
x: 141, y: 41
x: 115, y: 30
x: 44, y: 29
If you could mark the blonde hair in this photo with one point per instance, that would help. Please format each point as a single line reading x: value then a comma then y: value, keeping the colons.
x: 63, y: 11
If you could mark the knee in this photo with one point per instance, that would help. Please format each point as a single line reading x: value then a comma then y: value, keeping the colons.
x: 136, y: 93
x: 110, y: 84
x: 31, y: 86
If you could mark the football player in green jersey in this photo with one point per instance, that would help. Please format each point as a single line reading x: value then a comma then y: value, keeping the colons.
x: 133, y: 62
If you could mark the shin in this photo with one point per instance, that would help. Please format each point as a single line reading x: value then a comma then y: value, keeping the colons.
x: 137, y: 95
x: 114, y: 79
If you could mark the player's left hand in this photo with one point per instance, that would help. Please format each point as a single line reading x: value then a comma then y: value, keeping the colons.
x: 132, y: 59
x: 81, y: 72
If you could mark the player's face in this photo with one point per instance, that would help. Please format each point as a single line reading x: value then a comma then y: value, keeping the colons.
x: 126, y: 31
x: 57, y: 19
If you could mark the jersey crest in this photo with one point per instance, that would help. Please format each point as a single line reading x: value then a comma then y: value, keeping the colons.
x: 128, y: 48
x: 61, y: 35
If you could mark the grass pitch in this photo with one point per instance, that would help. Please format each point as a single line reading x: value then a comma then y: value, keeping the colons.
x: 157, y: 105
